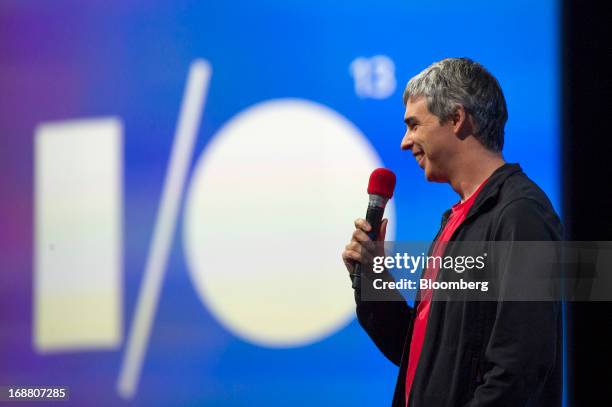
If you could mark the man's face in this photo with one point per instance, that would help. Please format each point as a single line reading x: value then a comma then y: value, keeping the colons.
x: 431, y: 143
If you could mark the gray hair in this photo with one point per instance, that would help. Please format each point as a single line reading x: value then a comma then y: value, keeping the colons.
x: 454, y: 82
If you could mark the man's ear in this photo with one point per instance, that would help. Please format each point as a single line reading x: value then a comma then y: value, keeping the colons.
x: 462, y: 123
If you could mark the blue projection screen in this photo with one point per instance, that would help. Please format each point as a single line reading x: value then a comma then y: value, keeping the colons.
x: 180, y: 179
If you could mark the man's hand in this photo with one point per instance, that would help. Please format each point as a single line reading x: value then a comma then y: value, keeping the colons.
x: 355, y: 252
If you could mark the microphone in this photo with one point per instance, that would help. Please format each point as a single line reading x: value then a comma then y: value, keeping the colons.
x: 380, y: 190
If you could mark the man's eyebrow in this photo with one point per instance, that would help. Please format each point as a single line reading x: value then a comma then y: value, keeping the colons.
x: 410, y: 121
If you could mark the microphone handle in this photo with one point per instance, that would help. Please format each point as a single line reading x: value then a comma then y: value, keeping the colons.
x: 374, y: 216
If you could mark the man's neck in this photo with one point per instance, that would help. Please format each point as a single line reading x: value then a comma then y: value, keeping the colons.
x: 473, y: 171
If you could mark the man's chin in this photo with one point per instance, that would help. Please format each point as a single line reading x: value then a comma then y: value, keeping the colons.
x: 432, y: 176
x: 428, y: 174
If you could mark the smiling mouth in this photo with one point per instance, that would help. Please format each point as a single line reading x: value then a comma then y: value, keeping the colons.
x: 419, y: 159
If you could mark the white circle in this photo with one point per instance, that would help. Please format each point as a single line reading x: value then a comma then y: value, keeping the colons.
x: 269, y: 209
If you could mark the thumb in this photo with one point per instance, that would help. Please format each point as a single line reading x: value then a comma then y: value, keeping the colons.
x: 383, y: 230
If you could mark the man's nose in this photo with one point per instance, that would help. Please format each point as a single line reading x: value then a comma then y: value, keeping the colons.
x: 407, y: 141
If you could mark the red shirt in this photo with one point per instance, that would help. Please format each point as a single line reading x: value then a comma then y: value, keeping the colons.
x: 458, y: 213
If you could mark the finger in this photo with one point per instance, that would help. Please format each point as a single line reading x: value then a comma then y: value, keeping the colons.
x: 362, y: 224
x: 360, y: 236
x: 365, y: 255
x: 358, y: 247
x: 350, y: 259
x: 351, y: 255
x: 383, y: 230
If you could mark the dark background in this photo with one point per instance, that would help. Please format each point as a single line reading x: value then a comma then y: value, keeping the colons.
x: 587, y: 180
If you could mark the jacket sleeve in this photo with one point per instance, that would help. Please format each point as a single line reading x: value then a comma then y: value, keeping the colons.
x: 386, y: 323
x: 523, y: 348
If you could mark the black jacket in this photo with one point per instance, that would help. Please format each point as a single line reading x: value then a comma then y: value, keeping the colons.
x: 475, y: 353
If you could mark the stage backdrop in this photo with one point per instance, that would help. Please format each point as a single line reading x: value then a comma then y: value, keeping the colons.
x: 179, y: 178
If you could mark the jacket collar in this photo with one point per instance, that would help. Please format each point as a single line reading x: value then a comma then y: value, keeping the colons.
x: 490, y: 191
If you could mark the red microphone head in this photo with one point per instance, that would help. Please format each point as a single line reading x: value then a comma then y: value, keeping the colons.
x: 382, y: 182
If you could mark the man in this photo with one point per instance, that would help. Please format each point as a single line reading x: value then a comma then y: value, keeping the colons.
x: 468, y: 353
